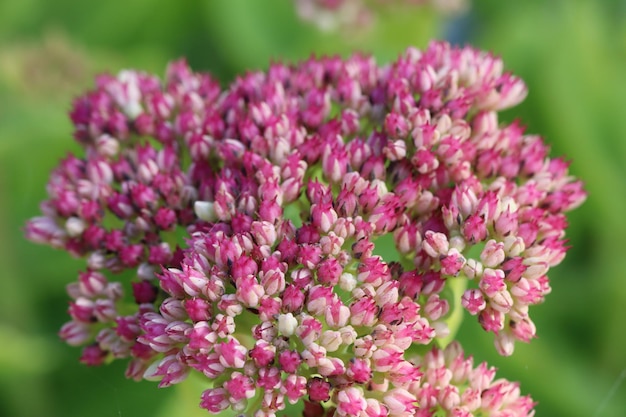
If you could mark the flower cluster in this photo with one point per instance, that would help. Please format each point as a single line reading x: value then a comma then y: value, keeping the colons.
x: 308, y: 233
x: 332, y: 14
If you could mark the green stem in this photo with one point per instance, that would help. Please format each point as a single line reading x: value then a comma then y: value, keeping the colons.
x: 457, y: 286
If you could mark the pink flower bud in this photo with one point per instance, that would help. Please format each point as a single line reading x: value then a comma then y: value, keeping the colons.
x: 294, y: 387
x: 318, y: 389
x: 435, y: 244
x: 493, y: 254
x: 215, y: 400
x: 75, y: 333
x: 400, y: 401
x: 350, y: 402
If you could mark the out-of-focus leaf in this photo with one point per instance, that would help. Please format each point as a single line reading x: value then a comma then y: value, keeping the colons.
x: 251, y: 34
x: 21, y: 352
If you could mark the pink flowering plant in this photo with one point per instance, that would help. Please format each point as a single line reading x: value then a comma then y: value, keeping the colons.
x: 312, y: 234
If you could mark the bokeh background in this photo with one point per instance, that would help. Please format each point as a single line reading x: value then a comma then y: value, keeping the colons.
x: 571, y: 53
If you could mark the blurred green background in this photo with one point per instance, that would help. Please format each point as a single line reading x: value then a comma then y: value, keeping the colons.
x: 572, y: 55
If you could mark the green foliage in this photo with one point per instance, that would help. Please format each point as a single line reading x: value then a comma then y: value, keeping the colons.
x: 572, y: 54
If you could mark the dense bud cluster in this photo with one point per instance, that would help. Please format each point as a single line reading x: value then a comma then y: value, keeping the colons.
x: 307, y: 233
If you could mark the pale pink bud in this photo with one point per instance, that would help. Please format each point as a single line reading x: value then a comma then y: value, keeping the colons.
x: 400, y: 402
x: 386, y: 357
x: 232, y: 353
x: 436, y: 307
x: 375, y: 409
x: 223, y: 325
x: 492, y: 254
x: 169, y: 370
x: 504, y: 343
x: 215, y: 400
x: 249, y: 291
x: 347, y: 281
x: 334, y: 163
x: 172, y: 309
x: 364, y: 312
x: 45, y: 230
x: 230, y: 305
x: 107, y: 145
x: 331, y: 244
x: 492, y: 282
x: 534, y: 270
x: 473, y: 269
x: 396, y: 150
x: 263, y: 353
x: 435, y: 244
x: 491, y: 320
x: 91, y: 283
x: 452, y: 263
x: 337, y: 315
x: 313, y: 354
x: 323, y: 216
x: 514, y: 246
x: 331, y: 340
x: 104, y: 310
x: 350, y: 402
x: 387, y: 293
x: 523, y: 329
x: 501, y: 301
x: 425, y: 161
x: 407, y: 238
x: 75, y: 333
x: 294, y: 387
x: 309, y: 330
x: 473, y: 301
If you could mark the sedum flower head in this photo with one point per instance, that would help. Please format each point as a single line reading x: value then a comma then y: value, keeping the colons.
x: 330, y: 211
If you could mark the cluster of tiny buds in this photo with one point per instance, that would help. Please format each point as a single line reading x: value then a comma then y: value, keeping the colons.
x: 304, y: 235
x: 334, y: 14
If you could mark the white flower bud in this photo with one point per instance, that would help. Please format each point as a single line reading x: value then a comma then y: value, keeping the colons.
x: 75, y: 226
x: 287, y: 324
x: 347, y: 281
x: 205, y: 211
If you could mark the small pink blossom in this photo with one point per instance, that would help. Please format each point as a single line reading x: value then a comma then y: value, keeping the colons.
x: 333, y: 14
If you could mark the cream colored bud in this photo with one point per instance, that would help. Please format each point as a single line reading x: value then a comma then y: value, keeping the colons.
x: 205, y: 211
x: 287, y: 324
